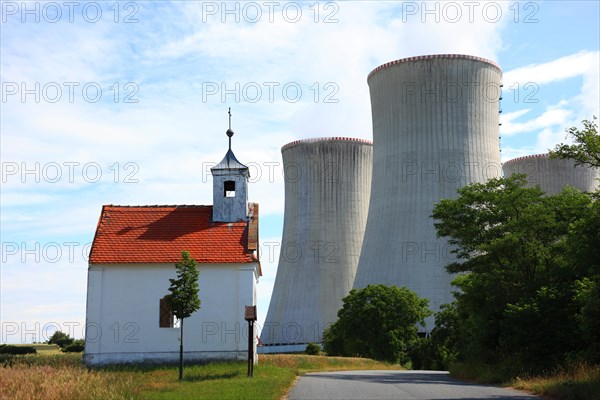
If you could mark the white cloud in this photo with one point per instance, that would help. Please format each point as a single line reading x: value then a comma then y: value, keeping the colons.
x: 549, y: 127
x: 589, y: 97
x: 551, y: 117
x: 548, y: 137
x: 583, y: 63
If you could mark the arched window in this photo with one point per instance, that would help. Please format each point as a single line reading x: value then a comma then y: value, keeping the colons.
x: 166, y: 317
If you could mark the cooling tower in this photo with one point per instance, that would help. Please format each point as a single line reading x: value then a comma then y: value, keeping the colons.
x: 327, y: 186
x: 552, y: 175
x: 435, y: 129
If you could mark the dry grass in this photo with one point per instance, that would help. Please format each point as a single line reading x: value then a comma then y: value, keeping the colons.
x: 22, y: 381
x: 301, y: 363
x: 576, y: 382
x: 581, y: 382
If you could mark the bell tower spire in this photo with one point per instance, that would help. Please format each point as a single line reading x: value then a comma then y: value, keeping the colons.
x: 229, y: 132
x: 230, y: 186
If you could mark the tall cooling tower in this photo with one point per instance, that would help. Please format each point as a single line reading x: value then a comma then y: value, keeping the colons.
x: 435, y: 129
x: 327, y: 186
x: 552, y: 175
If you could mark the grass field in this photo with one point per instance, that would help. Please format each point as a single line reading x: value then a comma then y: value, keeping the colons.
x: 62, y: 376
x: 44, y: 348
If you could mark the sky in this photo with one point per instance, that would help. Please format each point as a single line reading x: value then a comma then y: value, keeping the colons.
x: 126, y: 103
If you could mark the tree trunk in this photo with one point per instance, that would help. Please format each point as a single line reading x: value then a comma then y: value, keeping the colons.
x: 181, y: 351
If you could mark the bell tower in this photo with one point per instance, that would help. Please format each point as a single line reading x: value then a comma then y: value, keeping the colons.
x: 230, y: 186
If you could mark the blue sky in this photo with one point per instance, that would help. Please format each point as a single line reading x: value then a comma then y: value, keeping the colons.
x: 126, y: 103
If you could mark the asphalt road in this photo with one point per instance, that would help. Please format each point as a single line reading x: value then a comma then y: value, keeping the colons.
x: 395, y: 385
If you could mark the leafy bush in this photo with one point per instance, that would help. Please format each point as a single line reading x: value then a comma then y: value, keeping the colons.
x: 378, y: 322
x: 9, y: 349
x: 61, y: 339
x: 312, y: 349
x: 76, y: 347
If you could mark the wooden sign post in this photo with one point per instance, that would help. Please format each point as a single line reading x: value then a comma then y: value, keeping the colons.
x: 250, y: 316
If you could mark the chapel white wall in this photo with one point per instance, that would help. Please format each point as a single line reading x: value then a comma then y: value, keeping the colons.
x: 122, y: 321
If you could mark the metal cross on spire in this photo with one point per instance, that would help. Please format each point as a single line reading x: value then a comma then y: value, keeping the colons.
x: 229, y: 132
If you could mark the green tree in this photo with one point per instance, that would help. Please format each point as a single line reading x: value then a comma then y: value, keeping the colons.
x: 583, y: 248
x: 378, y: 322
x: 586, y: 150
x: 584, y: 238
x: 519, y: 280
x: 184, y: 299
x: 61, y: 339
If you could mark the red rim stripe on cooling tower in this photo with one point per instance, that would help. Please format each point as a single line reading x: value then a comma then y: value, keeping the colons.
x: 430, y: 57
x: 326, y: 139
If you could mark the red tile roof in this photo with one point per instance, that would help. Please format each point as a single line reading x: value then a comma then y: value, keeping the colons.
x: 158, y: 234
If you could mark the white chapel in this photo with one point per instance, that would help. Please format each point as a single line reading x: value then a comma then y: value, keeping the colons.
x: 133, y: 256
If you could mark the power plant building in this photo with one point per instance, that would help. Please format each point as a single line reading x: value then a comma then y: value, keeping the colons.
x: 552, y: 175
x: 327, y: 187
x: 435, y: 129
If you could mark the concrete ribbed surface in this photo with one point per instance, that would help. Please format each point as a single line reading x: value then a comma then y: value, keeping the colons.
x: 435, y: 129
x: 552, y: 175
x: 327, y: 186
